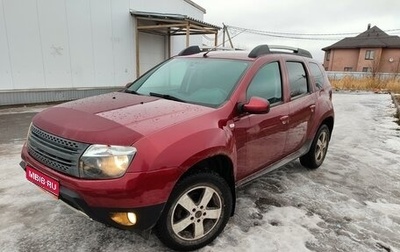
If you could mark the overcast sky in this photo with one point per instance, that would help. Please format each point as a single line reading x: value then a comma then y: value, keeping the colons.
x: 302, y: 16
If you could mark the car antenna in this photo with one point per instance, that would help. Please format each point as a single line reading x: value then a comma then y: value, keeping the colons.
x: 205, y: 54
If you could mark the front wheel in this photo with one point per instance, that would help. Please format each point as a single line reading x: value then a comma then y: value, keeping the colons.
x: 316, y: 155
x: 197, y: 212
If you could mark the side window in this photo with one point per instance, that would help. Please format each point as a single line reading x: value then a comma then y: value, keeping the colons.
x: 318, y: 75
x: 297, y: 79
x: 267, y: 83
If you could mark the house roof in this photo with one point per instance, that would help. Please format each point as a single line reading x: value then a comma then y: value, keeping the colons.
x: 371, y: 38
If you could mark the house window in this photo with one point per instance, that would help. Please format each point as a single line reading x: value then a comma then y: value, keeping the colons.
x: 369, y: 54
x: 348, y: 69
x: 366, y: 69
x: 328, y: 55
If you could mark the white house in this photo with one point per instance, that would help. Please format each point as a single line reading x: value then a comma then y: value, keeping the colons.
x: 53, y: 50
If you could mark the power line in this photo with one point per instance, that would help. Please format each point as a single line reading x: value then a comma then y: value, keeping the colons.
x: 236, y: 31
x: 208, y: 38
x: 300, y: 36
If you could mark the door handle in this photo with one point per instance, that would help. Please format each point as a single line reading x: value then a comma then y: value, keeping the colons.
x: 284, y: 119
x: 312, y: 108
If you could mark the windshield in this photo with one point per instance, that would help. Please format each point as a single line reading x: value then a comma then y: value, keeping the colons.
x: 195, y: 80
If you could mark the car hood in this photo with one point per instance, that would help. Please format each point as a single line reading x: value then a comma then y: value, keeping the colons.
x: 115, y: 118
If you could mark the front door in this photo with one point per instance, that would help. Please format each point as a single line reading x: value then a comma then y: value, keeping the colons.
x: 260, y: 138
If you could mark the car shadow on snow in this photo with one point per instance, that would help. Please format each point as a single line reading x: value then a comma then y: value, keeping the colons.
x: 52, y: 226
x: 266, y: 192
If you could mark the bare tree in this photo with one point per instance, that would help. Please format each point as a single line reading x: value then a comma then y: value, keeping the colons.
x: 375, y: 66
x: 397, y: 72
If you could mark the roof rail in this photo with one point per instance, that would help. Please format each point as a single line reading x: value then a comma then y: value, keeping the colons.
x: 268, y: 49
x: 190, y: 50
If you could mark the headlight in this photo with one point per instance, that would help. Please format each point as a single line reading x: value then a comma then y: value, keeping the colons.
x: 105, y: 161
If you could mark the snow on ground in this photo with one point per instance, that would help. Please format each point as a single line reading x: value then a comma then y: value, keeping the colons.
x: 23, y: 109
x: 351, y: 203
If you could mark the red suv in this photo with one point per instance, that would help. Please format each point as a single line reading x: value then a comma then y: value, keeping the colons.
x: 168, y: 152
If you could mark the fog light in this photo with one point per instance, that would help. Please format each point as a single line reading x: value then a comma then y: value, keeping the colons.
x: 126, y: 219
x: 132, y: 218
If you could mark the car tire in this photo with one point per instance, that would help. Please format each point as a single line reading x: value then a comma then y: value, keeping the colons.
x: 319, y: 147
x: 196, y: 213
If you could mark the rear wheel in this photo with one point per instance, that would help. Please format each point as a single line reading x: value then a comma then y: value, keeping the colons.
x: 198, y: 210
x: 316, y: 155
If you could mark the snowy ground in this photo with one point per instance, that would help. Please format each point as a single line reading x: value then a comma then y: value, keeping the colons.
x: 352, y: 203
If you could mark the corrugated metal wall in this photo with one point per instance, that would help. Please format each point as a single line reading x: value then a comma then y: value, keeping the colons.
x: 43, y: 96
x: 68, y: 44
x: 61, y: 46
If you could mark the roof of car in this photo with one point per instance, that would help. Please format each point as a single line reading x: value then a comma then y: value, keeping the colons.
x: 239, y: 55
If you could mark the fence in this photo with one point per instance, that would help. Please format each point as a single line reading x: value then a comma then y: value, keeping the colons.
x: 54, y: 95
x: 333, y: 75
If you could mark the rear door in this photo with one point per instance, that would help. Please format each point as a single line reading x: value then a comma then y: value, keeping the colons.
x: 301, y: 106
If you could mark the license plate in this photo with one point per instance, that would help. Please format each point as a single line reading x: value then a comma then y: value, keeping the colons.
x: 43, y: 181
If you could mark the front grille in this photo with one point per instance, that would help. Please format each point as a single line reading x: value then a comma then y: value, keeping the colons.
x: 55, y: 152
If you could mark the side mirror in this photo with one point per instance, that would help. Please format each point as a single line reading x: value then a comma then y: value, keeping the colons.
x: 256, y: 105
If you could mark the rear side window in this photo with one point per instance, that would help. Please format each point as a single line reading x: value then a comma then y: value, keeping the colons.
x: 318, y: 75
x: 297, y: 78
x: 267, y: 83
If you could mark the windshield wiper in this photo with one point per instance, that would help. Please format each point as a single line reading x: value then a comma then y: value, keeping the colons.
x: 166, y: 96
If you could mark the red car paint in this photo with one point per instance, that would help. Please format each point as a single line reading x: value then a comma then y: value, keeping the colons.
x: 172, y: 137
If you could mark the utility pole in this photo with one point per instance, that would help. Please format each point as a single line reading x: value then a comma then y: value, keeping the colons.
x: 229, y: 36
x: 223, y: 35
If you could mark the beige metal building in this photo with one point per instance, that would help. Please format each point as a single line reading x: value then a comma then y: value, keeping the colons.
x: 54, y: 50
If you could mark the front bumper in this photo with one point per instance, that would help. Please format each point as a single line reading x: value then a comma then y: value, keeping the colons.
x: 146, y: 216
x: 143, y: 194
